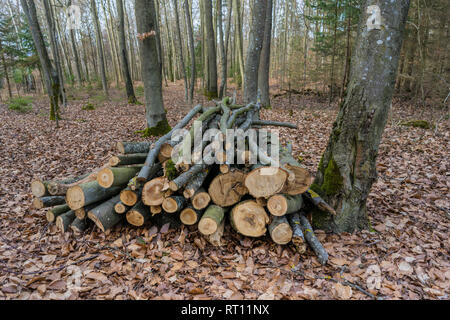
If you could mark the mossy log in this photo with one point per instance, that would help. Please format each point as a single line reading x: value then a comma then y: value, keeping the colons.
x: 249, y: 218
x: 298, y: 239
x: 211, y: 219
x: 121, y: 208
x: 173, y: 204
x: 113, y: 177
x: 153, y: 192
x: 312, y: 240
x: 88, y: 193
x: 104, y: 216
x: 127, y: 159
x: 265, y: 181
x: 153, y: 153
x: 64, y: 220
x: 281, y: 204
x: 82, y: 213
x: 280, y: 231
x: 317, y: 201
x: 138, y: 215
x: 201, y: 199
x: 49, y: 201
x: 227, y: 189
x: 133, y: 147
x: 195, y: 183
x: 79, y: 225
x: 180, y: 181
x: 56, y: 211
x: 190, y: 216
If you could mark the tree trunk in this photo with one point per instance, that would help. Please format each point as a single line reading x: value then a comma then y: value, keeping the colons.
x: 347, y: 168
x: 180, y: 48
x: 100, y: 51
x: 264, y: 63
x: 104, y: 215
x: 187, y: 11
x: 255, y: 44
x: 123, y: 55
x: 150, y: 68
x: 212, y: 55
x: 51, y: 78
x: 5, y: 70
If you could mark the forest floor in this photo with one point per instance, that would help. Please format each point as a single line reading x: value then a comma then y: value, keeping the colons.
x: 404, y: 256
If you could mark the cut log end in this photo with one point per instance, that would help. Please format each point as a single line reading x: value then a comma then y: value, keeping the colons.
x: 188, y: 216
x: 280, y: 230
x: 173, y: 186
x: 277, y: 205
x: 227, y: 189
x: 207, y: 226
x: 135, y: 218
x: 153, y: 192
x: 265, y: 181
x: 249, y: 218
x: 299, y: 182
x: 155, y: 210
x: 114, y: 161
x: 201, y: 200
x: 37, y: 203
x: 38, y: 188
x: 105, y: 178
x: 120, y: 208
x: 128, y: 197
x: 170, y: 205
x: 75, y: 197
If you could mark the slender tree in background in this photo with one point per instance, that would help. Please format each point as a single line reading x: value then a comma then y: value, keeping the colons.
x: 100, y: 51
x: 51, y: 79
x: 123, y: 55
x: 55, y: 49
x: 75, y: 53
x: 180, y: 48
x: 187, y: 11
x: 223, y: 43
x: 347, y: 169
x: 5, y: 69
x: 211, y: 51
x: 255, y: 44
x: 150, y: 68
x: 264, y: 63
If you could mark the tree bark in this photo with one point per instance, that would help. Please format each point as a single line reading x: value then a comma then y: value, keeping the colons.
x: 150, y: 67
x: 347, y: 168
x: 123, y: 54
x: 187, y: 11
x: 255, y: 44
x: 212, y: 55
x: 264, y: 63
x: 100, y: 51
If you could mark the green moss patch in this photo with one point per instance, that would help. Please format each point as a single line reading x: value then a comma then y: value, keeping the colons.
x: 417, y: 124
x: 88, y: 107
x: 332, y: 180
x: 160, y: 129
x: 20, y: 104
x: 171, y: 170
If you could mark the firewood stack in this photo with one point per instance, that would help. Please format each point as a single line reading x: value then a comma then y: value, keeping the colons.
x: 148, y: 183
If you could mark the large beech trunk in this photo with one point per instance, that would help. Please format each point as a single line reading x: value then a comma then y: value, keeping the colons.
x: 347, y: 169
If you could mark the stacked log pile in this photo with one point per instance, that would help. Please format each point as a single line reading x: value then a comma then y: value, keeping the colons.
x: 149, y: 183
